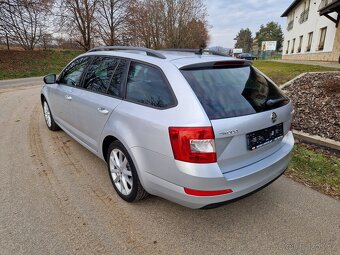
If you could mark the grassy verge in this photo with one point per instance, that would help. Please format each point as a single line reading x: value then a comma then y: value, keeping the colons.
x: 22, y: 64
x: 283, y: 72
x: 320, y: 171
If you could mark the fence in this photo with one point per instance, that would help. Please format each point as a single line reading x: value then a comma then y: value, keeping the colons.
x: 264, y: 55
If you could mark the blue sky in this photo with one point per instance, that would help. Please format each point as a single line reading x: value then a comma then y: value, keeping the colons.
x: 227, y: 17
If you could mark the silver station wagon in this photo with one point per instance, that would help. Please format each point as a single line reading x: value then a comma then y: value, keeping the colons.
x: 193, y: 127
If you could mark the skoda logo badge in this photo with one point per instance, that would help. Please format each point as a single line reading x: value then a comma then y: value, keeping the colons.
x: 274, y: 117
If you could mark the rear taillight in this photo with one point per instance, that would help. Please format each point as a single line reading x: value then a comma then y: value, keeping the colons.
x: 194, y: 145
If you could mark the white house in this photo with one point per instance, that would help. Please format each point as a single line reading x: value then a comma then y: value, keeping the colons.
x: 313, y: 31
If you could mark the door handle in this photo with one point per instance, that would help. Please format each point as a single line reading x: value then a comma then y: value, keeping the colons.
x: 103, y: 110
x: 68, y: 97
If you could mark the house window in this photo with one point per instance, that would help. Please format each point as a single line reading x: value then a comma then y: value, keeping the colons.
x: 290, y: 21
x: 293, y: 46
x: 304, y: 14
x: 322, y: 38
x: 300, y: 43
x: 287, y: 51
x: 310, y: 39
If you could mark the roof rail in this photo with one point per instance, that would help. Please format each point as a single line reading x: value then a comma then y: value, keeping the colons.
x: 148, y: 52
x: 198, y: 51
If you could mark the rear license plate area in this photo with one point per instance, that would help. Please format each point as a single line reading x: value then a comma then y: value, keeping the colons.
x: 264, y: 136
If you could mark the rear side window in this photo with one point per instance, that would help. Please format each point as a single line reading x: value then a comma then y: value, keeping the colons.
x: 147, y: 85
x: 72, y: 73
x: 226, y: 92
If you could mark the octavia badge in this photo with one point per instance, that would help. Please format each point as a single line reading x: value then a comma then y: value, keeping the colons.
x: 274, y: 117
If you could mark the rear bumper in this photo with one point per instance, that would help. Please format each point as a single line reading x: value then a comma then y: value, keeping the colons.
x: 242, y: 181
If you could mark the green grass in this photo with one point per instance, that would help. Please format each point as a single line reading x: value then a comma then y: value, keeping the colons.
x: 22, y: 64
x: 283, y: 72
x: 320, y: 171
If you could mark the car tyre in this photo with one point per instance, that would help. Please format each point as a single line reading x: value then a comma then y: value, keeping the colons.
x: 49, y: 117
x: 123, y: 173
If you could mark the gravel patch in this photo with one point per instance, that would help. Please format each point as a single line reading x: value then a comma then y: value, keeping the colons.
x: 316, y: 99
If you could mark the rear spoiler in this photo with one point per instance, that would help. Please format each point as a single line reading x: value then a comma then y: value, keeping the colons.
x: 218, y: 64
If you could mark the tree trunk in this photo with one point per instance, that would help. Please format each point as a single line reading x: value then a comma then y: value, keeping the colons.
x: 7, y: 42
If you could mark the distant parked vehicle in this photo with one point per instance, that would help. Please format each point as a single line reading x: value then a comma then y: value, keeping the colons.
x: 247, y: 56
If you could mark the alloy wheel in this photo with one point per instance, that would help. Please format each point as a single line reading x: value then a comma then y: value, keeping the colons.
x: 47, y: 114
x: 121, y: 172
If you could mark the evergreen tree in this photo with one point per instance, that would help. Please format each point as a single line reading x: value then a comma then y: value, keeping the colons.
x: 244, y: 40
x: 271, y: 32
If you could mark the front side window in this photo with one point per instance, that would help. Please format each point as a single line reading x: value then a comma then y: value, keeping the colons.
x: 99, y: 74
x: 72, y: 73
x: 147, y: 85
x: 226, y: 92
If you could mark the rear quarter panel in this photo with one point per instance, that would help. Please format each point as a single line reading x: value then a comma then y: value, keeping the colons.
x: 144, y: 130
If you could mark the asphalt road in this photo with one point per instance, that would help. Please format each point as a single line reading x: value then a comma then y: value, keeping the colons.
x: 56, y: 198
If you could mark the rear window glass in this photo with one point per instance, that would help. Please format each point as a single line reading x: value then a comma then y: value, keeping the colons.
x: 226, y: 92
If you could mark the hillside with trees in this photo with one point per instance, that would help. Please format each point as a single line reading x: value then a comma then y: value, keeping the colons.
x: 86, y: 23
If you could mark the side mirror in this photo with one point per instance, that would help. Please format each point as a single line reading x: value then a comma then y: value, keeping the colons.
x: 50, y: 78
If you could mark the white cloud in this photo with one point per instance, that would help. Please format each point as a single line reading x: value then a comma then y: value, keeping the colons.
x: 227, y: 17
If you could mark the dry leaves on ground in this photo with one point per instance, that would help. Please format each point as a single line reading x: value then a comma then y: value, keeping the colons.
x: 316, y: 99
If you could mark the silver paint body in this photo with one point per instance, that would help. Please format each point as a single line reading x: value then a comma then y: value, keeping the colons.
x: 144, y: 133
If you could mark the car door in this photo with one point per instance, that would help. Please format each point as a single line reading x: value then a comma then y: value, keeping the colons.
x: 100, y: 94
x: 61, y: 94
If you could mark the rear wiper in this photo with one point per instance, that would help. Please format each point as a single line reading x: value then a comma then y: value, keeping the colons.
x: 271, y: 102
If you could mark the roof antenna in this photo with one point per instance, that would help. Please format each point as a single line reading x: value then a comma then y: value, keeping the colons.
x: 200, y: 51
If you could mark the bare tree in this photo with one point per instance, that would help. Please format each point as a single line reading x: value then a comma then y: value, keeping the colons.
x: 196, y: 35
x: 24, y: 21
x: 46, y: 41
x: 146, y: 23
x: 150, y: 23
x: 78, y: 20
x: 168, y: 23
x: 185, y: 20
x: 4, y: 38
x: 110, y: 21
x: 65, y: 43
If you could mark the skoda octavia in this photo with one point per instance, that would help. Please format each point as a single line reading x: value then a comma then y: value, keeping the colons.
x: 196, y: 128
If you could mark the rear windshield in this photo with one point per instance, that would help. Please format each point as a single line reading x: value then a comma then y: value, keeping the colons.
x: 226, y: 92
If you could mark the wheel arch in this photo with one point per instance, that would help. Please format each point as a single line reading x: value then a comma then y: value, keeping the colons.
x: 42, y: 98
x: 106, y: 143
x: 44, y: 95
x: 110, y: 138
